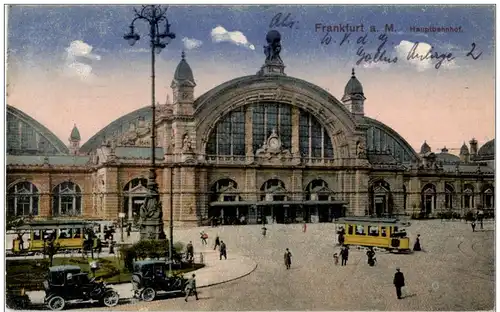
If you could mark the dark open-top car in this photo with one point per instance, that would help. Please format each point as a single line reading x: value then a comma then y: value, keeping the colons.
x: 150, y: 277
x: 68, y: 284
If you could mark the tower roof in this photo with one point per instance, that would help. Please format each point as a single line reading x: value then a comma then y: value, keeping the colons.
x: 425, y: 148
x: 75, y: 134
x: 353, y: 86
x: 183, y: 71
x: 464, y: 150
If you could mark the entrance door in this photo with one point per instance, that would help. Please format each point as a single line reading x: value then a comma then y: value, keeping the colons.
x: 324, y: 213
x: 379, y: 205
x: 136, y: 208
x: 429, y: 199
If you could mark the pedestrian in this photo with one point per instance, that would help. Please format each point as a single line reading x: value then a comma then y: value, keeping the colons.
x: 190, y: 251
x: 264, y: 231
x: 473, y: 224
x: 336, y: 258
x: 217, y: 242
x: 304, y: 227
x: 21, y: 241
x: 344, y: 253
x: 223, y: 250
x: 203, y: 237
x: 98, y: 245
x: 191, y: 288
x: 288, y: 259
x: 399, y: 282
x: 416, y: 246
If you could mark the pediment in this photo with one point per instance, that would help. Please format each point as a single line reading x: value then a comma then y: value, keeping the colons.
x: 139, y: 189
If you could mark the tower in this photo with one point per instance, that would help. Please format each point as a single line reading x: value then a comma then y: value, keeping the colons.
x: 183, y: 88
x: 464, y: 153
x: 354, y: 98
x: 74, y: 141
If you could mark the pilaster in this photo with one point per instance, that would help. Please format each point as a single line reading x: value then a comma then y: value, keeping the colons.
x: 249, y: 133
x: 203, y: 193
x: 295, y: 131
x: 111, y: 201
x: 187, y: 197
x: 251, y: 188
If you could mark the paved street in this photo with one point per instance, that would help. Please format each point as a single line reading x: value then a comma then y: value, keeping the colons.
x: 454, y: 272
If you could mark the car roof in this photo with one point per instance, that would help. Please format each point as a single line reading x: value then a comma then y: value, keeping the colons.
x: 60, y: 268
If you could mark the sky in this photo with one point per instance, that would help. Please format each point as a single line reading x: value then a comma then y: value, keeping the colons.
x: 70, y: 64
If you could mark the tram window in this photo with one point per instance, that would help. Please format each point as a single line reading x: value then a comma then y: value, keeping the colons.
x: 64, y: 233
x: 395, y: 229
x: 37, y: 235
x: 384, y: 231
x: 78, y: 233
x: 350, y: 230
x: 373, y: 230
x: 360, y: 230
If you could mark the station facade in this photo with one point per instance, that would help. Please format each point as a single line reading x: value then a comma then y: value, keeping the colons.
x: 260, y: 146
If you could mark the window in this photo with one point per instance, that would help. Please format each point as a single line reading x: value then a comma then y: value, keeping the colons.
x: 488, y: 198
x: 373, y: 230
x: 37, y: 235
x: 468, y: 197
x: 314, y: 140
x: 67, y: 200
x: 65, y: 233
x: 228, y: 137
x: 448, y: 197
x: 383, y: 231
x: 78, y: 233
x: 360, y: 230
x: 350, y: 230
x: 22, y: 199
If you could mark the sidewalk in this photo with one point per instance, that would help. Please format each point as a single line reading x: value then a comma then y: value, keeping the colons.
x: 215, y: 272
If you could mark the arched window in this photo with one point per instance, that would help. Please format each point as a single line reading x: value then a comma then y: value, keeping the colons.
x: 269, y: 116
x: 448, y: 196
x: 468, y: 196
x: 428, y: 199
x: 488, y: 197
x: 273, y: 190
x: 222, y: 193
x: 314, y: 140
x: 318, y: 189
x: 224, y: 190
x: 229, y: 135
x: 67, y: 200
x: 22, y: 199
x: 134, y: 194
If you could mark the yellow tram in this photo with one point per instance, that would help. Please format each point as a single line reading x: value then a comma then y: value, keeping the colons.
x: 68, y: 233
x: 375, y: 232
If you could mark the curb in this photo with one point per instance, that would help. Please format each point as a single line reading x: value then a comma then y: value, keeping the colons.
x: 230, y: 280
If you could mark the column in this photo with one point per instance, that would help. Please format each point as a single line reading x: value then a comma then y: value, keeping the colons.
x: 295, y: 131
x: 129, y: 212
x: 249, y: 134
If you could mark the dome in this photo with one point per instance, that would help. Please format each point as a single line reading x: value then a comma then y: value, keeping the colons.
x: 425, y: 148
x: 446, y: 157
x: 183, y: 71
x: 75, y: 134
x: 353, y: 86
x: 488, y: 149
x: 464, y: 150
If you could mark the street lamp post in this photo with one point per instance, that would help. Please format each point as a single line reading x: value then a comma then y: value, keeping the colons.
x: 154, y: 15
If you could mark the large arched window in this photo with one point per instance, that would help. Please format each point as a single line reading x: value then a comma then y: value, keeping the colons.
x: 22, y: 199
x: 67, y: 200
x: 273, y: 190
x: 488, y: 197
x: 428, y: 199
x: 224, y: 190
x: 468, y: 196
x: 318, y: 189
x: 448, y: 196
x: 229, y: 135
x: 313, y: 138
x: 134, y: 194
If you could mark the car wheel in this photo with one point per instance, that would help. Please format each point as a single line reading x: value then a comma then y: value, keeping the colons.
x: 110, y: 298
x: 56, y: 303
x: 148, y: 294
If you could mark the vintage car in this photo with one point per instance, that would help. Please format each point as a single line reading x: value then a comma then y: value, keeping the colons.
x: 150, y: 277
x: 68, y: 284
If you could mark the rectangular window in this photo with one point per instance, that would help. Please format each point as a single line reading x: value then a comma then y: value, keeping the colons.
x: 328, y: 145
x: 350, y: 229
x: 304, y: 134
x: 285, y: 130
x: 316, y: 138
x: 238, y: 132
x: 37, y: 235
x: 258, y: 126
x: 360, y: 230
x: 467, y: 201
x: 272, y: 118
x: 77, y: 233
x: 373, y: 230
x: 383, y: 231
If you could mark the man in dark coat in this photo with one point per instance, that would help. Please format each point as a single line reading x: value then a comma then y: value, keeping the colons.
x: 345, y: 255
x: 399, y: 282
x: 288, y: 259
x: 223, y: 251
x: 217, y: 242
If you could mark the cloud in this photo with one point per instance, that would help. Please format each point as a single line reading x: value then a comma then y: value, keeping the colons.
x: 191, y: 43
x: 137, y: 50
x: 79, y: 60
x: 404, y: 47
x: 220, y: 34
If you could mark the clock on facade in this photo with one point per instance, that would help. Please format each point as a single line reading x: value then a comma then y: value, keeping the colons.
x: 274, y: 143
